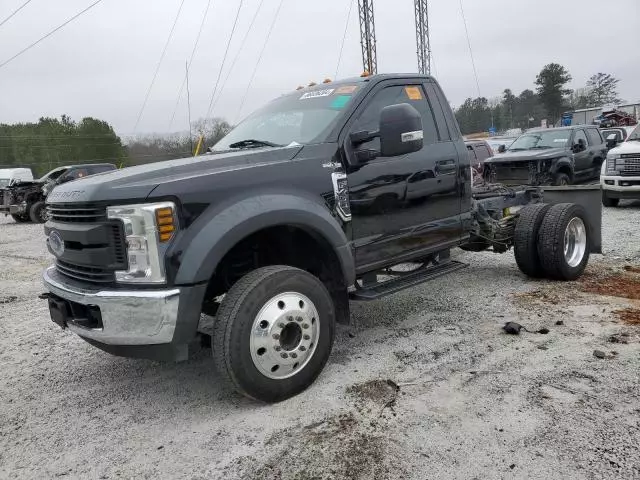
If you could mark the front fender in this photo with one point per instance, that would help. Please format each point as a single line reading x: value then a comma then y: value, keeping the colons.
x: 219, y: 229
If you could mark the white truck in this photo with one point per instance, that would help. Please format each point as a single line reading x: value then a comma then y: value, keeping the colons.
x: 620, y: 175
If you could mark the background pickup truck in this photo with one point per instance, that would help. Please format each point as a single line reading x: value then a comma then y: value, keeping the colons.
x: 312, y: 201
x: 553, y: 156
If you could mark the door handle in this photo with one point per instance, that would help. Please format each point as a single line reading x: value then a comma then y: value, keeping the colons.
x: 446, y: 166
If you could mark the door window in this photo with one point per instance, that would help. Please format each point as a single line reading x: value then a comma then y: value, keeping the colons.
x: 482, y: 152
x: 578, y: 136
x: 414, y: 95
x: 594, y: 137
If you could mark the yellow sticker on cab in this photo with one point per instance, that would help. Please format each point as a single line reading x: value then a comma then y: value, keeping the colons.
x: 413, y: 93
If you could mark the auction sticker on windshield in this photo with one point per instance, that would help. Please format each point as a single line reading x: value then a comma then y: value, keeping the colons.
x: 560, y: 140
x: 317, y: 94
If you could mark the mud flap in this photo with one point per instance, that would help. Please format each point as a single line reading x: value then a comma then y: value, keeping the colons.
x: 590, y: 197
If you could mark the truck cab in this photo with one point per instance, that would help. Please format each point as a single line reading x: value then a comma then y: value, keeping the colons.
x: 620, y: 176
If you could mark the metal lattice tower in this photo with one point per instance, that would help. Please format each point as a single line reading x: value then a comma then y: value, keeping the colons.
x: 422, y: 37
x: 368, y: 36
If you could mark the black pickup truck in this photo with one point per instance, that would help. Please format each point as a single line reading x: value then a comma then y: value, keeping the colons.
x: 311, y: 202
x: 553, y: 156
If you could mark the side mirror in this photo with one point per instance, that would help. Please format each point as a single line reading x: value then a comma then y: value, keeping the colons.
x: 612, y: 140
x: 400, y: 130
x: 502, y: 148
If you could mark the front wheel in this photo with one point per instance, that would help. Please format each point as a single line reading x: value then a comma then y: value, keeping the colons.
x: 38, y: 212
x: 561, y: 179
x: 273, y: 333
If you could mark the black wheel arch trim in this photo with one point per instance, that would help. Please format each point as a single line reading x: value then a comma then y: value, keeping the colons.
x: 219, y: 229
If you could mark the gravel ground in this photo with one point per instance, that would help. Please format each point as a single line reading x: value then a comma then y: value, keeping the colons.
x: 426, y: 385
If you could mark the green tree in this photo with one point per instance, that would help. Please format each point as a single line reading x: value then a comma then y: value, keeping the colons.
x: 53, y: 142
x: 551, y: 88
x: 603, y: 89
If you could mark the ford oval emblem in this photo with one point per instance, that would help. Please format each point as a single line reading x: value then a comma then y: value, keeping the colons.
x: 56, y: 243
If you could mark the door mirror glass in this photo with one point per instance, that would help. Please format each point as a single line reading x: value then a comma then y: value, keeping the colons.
x: 612, y: 140
x: 400, y: 130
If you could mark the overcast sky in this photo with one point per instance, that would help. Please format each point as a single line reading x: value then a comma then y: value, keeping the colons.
x: 102, y: 64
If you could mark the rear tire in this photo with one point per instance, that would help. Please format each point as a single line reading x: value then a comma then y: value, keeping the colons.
x: 525, y: 239
x: 564, y: 241
x: 38, y: 212
x: 273, y: 333
x: 561, y: 179
x: 20, y: 218
x: 608, y: 201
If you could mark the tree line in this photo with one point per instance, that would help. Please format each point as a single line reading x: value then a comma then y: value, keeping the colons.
x: 53, y: 142
x: 549, y: 100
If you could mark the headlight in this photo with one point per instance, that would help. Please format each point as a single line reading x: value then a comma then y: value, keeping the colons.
x: 148, y: 230
x: 613, y: 161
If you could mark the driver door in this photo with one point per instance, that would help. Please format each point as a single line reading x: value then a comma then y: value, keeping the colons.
x: 583, y: 158
x: 404, y: 206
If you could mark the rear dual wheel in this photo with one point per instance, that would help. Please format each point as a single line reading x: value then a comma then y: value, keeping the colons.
x: 274, y: 333
x: 552, y: 241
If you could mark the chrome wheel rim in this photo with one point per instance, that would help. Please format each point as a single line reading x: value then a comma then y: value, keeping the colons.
x: 575, y: 242
x: 284, y: 335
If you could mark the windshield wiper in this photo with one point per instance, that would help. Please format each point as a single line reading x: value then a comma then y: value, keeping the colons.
x: 515, y: 149
x: 540, y: 147
x: 252, y: 143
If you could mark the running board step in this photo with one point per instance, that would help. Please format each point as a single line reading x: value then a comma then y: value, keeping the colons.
x: 382, y: 289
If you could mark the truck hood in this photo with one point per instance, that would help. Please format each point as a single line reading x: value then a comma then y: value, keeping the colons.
x: 626, y: 147
x: 137, y: 183
x: 528, y: 155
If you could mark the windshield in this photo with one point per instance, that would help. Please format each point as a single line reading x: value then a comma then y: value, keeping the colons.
x: 534, y: 140
x: 4, y: 182
x: 635, y: 135
x: 301, y: 118
x: 53, y: 174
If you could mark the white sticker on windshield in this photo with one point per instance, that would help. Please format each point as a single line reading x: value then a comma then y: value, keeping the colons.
x: 317, y: 94
x: 560, y: 140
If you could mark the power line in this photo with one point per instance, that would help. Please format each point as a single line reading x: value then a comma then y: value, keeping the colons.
x: 235, y: 59
x: 193, y: 52
x: 224, y: 58
x: 50, y: 33
x: 155, y: 75
x: 473, y: 63
x: 14, y: 12
x: 255, y: 68
x: 344, y: 36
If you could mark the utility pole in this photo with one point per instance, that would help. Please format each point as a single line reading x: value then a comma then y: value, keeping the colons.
x: 422, y: 37
x: 368, y: 36
x: 186, y: 66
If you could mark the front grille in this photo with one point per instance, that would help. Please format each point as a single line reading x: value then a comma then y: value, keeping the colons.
x: 76, y: 213
x: 7, y: 198
x: 631, y: 166
x: 88, y: 274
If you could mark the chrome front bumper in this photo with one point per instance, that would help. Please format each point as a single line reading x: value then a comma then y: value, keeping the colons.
x: 129, y: 317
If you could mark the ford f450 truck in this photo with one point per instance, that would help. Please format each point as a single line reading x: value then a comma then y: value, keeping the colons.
x: 312, y: 201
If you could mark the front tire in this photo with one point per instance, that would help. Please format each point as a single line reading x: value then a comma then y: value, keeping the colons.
x: 608, y: 201
x: 564, y: 242
x: 38, y: 212
x: 273, y: 333
x: 525, y: 239
x: 561, y: 180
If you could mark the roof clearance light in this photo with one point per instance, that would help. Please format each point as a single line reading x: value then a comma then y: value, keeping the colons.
x: 312, y: 84
x: 365, y: 74
x: 327, y: 80
x: 300, y: 87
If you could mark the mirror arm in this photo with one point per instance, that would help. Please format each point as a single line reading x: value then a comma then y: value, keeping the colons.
x: 359, y: 138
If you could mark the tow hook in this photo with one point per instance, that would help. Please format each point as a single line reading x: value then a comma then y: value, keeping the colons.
x: 44, y: 296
